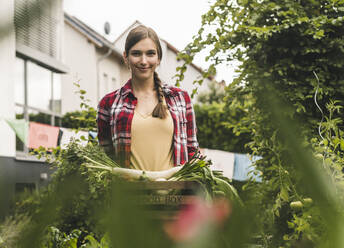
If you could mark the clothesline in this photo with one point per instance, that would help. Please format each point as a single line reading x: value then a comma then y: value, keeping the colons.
x: 34, y: 134
x: 234, y: 165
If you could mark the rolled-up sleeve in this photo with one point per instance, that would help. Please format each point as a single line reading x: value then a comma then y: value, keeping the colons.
x: 192, y: 144
x: 103, y: 123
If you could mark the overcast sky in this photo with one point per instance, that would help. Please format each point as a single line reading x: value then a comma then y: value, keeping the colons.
x: 176, y: 21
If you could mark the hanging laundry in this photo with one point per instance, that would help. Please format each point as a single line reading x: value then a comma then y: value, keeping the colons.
x: 93, y: 134
x: 20, y: 127
x: 222, y: 161
x: 68, y: 134
x: 42, y: 135
x: 243, y: 168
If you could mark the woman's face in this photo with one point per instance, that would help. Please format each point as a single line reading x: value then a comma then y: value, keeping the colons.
x: 143, y: 59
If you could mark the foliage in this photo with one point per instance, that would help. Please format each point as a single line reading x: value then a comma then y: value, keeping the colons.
x: 214, y: 131
x: 76, y: 238
x: 79, y: 202
x: 73, y: 199
x: 213, y: 182
x: 84, y: 118
x: 215, y: 93
x: 79, y: 209
x: 11, y: 229
x: 214, y: 118
x: 291, y: 54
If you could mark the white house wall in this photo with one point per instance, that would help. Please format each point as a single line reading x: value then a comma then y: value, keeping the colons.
x: 115, y: 72
x: 7, y: 61
x: 125, y: 75
x: 80, y: 57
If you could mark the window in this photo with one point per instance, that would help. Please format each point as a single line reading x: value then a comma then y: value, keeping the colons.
x: 25, y: 187
x: 19, y: 115
x: 39, y: 86
x: 37, y: 95
x: 55, y: 103
x: 114, y: 84
x: 19, y: 81
x: 36, y: 25
x: 104, y: 85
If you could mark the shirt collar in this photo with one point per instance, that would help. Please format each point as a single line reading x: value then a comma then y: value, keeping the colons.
x: 167, y: 90
x: 127, y: 88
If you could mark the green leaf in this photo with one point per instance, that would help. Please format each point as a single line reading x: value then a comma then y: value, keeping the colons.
x: 284, y: 194
x: 92, y: 242
x: 342, y: 144
x: 319, y: 34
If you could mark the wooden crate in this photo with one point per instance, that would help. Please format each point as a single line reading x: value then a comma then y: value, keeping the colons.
x: 163, y: 199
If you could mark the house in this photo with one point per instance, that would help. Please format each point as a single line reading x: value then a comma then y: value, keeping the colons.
x: 31, y: 64
x: 97, y: 64
x: 94, y: 62
x: 43, y: 52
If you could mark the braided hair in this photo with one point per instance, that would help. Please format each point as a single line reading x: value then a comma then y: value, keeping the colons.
x: 160, y: 110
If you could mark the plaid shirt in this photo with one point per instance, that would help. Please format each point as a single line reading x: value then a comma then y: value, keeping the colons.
x: 115, y: 115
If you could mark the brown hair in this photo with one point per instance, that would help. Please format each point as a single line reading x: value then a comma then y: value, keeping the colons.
x: 135, y: 35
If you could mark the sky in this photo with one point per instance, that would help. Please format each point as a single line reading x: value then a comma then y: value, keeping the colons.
x: 175, y: 21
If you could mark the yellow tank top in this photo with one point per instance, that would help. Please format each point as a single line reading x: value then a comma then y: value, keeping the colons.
x: 151, y: 142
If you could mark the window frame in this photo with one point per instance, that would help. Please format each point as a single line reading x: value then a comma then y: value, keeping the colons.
x: 26, y: 108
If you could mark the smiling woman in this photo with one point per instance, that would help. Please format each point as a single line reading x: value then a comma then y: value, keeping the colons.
x: 146, y: 125
x: 142, y: 60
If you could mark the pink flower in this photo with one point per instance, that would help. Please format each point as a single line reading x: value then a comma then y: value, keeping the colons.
x: 221, y: 209
x: 196, y: 216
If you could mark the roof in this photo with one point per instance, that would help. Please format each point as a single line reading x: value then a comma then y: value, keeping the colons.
x: 176, y: 51
x: 127, y: 29
x: 100, y: 41
x: 92, y: 35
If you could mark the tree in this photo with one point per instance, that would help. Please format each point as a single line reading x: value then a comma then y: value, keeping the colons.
x: 291, y: 53
x: 216, y: 93
x: 214, y: 121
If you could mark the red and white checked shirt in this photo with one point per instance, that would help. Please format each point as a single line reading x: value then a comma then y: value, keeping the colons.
x: 115, y: 114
